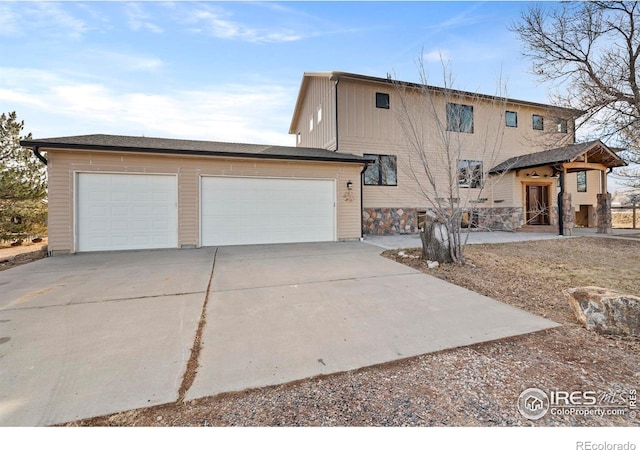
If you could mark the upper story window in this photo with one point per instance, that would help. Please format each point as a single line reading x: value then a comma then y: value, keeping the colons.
x: 382, y: 100
x: 383, y: 172
x: 311, y: 125
x: 459, y: 118
x: 469, y: 173
x: 319, y: 114
x: 582, y: 181
x: 538, y: 122
x: 511, y: 119
x: 299, y: 138
x: 562, y: 125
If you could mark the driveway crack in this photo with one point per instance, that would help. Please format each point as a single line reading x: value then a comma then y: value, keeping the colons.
x: 193, y: 363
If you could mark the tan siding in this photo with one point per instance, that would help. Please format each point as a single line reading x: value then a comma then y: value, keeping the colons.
x: 64, y: 164
x: 363, y: 128
x: 320, y: 94
x: 593, y: 189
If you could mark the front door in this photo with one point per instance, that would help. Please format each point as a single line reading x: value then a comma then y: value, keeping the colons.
x: 537, y: 204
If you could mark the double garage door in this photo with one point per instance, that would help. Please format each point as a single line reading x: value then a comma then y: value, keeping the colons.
x: 140, y: 211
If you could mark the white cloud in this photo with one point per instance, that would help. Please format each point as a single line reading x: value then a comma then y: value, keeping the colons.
x: 438, y: 55
x: 9, y: 21
x: 44, y: 19
x: 216, y: 22
x: 138, y: 19
x: 53, y: 105
x: 124, y: 61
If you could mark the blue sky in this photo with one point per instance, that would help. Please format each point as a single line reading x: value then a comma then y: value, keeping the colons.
x: 230, y: 71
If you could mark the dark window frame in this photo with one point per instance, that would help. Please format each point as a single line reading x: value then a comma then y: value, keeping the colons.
x: 563, y: 125
x: 506, y: 119
x: 387, y: 161
x: 457, y: 115
x: 471, y: 179
x: 383, y: 100
x: 581, y: 186
x: 541, y: 121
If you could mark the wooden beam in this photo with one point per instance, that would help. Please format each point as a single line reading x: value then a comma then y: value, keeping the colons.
x: 574, y: 166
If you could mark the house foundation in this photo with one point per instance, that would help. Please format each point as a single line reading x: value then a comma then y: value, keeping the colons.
x: 390, y: 221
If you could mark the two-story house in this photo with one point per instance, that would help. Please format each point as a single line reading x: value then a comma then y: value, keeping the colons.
x: 511, y: 158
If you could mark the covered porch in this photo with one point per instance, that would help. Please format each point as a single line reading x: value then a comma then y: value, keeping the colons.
x: 542, y: 173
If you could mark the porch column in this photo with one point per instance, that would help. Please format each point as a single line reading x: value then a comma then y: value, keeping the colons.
x: 604, y: 213
x: 568, y: 214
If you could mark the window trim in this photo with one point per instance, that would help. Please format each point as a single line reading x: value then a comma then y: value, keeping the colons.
x: 469, y: 184
x: 584, y: 174
x: 560, y: 122
x: 383, y: 100
x: 506, y: 120
x: 456, y: 126
x: 533, y: 122
x: 377, y: 162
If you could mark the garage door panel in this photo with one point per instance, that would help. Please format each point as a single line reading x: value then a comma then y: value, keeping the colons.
x: 266, y: 210
x: 126, y: 212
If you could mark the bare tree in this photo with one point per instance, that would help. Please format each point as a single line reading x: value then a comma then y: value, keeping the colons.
x: 589, y: 51
x: 449, y: 156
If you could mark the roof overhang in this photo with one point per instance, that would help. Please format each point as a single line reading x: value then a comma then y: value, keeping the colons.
x: 190, y: 148
x: 594, y: 151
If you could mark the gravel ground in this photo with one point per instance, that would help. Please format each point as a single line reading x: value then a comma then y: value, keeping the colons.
x: 471, y: 386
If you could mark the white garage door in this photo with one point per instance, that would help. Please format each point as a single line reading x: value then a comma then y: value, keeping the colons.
x: 126, y: 212
x: 239, y: 211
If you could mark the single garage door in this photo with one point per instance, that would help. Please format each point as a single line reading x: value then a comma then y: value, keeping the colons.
x: 238, y: 211
x: 126, y: 212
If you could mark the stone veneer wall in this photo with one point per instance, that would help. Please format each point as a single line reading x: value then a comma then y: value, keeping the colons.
x: 603, y: 213
x: 388, y: 221
x: 568, y: 214
x: 500, y: 219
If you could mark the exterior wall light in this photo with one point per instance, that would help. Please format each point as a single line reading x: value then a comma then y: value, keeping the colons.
x: 349, y: 185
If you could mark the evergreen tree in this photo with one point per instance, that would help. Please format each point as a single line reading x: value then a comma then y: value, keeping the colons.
x: 23, y: 184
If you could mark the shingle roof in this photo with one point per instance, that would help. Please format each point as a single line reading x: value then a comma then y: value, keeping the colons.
x: 559, y: 155
x: 107, y: 142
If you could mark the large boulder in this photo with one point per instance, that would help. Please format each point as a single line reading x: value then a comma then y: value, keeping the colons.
x: 605, y: 311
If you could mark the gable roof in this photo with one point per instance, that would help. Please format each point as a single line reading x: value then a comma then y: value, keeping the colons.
x: 561, y: 155
x: 137, y: 144
x: 336, y: 76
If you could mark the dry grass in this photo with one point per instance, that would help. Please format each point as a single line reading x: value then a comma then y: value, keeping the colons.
x: 624, y: 219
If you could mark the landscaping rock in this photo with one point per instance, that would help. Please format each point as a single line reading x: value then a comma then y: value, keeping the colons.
x: 606, y: 311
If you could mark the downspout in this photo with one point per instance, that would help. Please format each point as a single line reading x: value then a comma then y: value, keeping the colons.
x: 336, y: 108
x: 366, y: 164
x: 560, y: 209
x: 38, y: 155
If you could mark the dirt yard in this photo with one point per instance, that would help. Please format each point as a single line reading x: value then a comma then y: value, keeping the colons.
x: 471, y: 386
x: 22, y: 254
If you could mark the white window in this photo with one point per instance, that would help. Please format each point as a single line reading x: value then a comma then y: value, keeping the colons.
x: 319, y: 114
x: 310, y: 125
x: 299, y: 138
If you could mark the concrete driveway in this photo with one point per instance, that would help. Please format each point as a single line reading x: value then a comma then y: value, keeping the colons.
x: 94, y: 334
